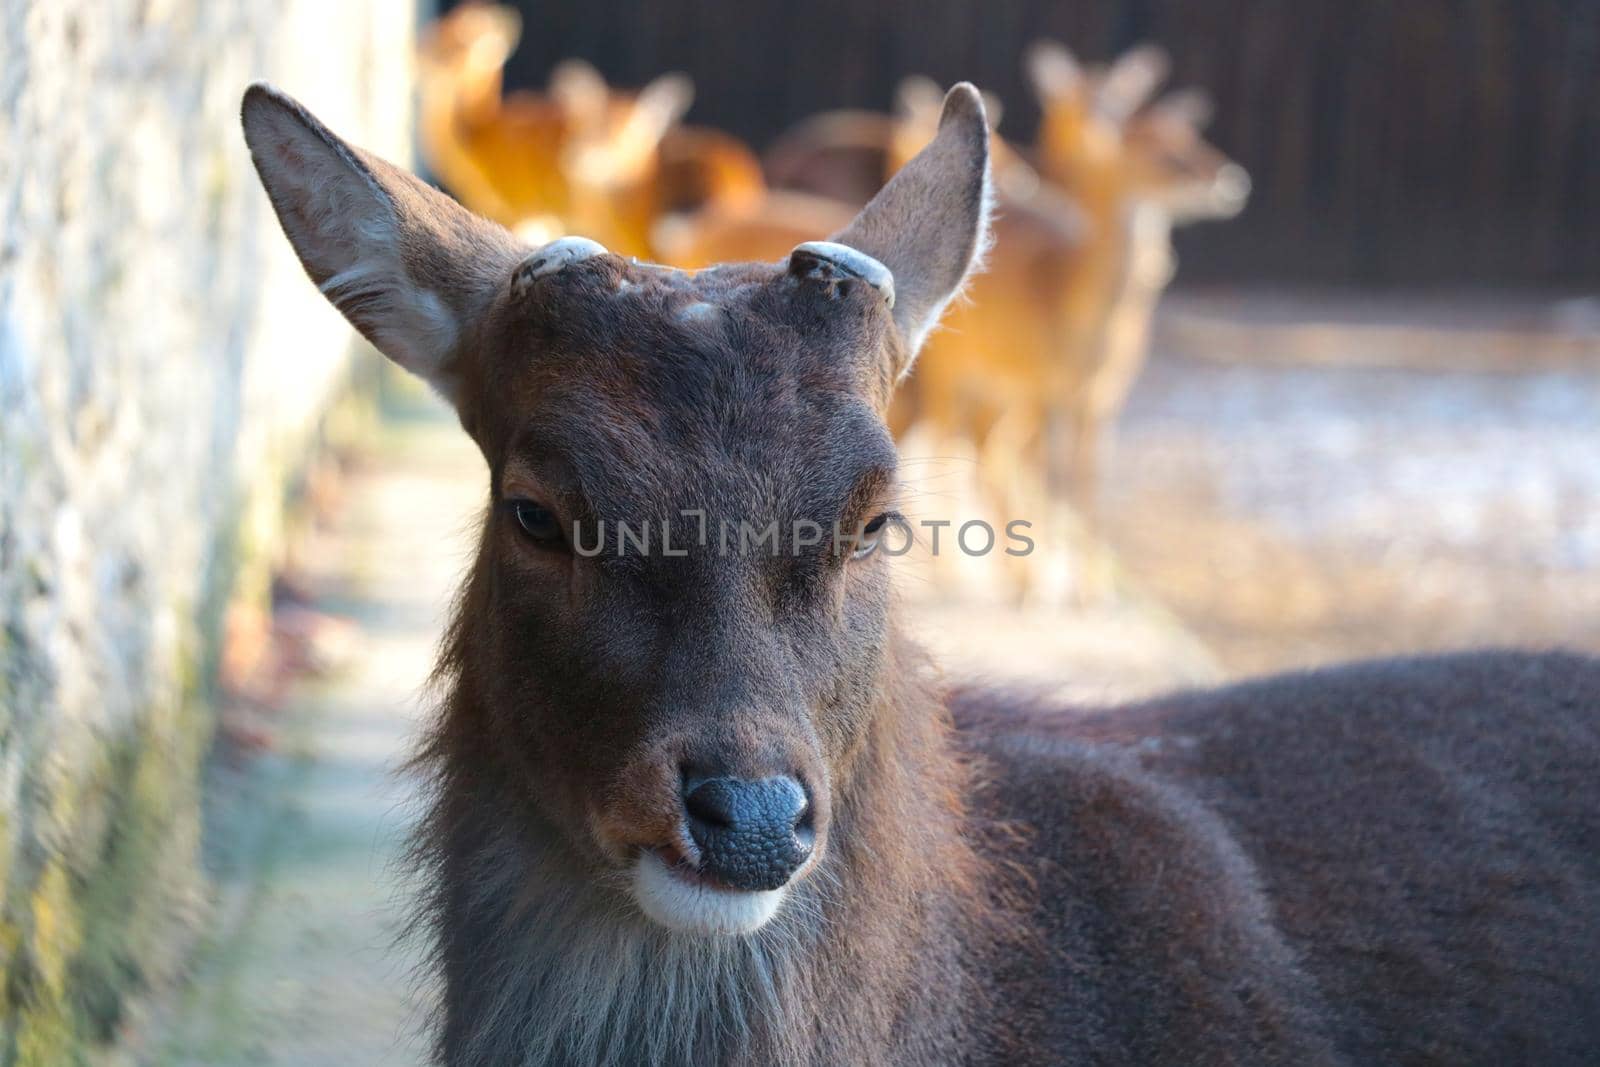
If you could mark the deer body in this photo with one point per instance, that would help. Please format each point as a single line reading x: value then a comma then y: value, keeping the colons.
x: 700, y: 806
x: 1137, y: 171
x: 1386, y: 863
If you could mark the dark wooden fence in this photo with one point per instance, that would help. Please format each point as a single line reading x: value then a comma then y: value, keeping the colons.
x: 1421, y: 141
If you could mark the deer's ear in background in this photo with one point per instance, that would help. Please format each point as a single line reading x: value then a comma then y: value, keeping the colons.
x: 1053, y: 70
x: 1189, y: 107
x: 409, y: 267
x: 929, y: 224
x: 581, y: 92
x: 1132, y: 80
x: 918, y: 97
x: 664, y: 101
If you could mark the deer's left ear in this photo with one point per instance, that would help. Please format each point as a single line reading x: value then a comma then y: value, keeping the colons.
x: 929, y: 224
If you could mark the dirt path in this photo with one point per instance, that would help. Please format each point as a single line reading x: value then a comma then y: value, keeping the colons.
x: 303, y: 968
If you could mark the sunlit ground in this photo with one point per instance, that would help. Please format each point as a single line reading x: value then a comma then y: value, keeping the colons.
x: 1309, y: 479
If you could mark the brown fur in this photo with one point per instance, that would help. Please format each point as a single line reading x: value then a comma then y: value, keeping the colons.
x: 1416, y: 842
x: 1393, y: 863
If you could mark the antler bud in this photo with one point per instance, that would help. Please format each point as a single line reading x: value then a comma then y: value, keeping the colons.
x: 555, y: 256
x: 823, y: 259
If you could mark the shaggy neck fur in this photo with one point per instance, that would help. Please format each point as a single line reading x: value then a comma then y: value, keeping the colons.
x: 875, y: 957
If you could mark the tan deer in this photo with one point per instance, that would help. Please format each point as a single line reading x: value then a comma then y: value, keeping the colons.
x: 701, y: 804
x: 1136, y: 171
x: 1040, y: 376
x: 460, y: 59
x: 581, y: 158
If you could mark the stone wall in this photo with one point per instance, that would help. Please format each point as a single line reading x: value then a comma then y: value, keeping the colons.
x: 163, y: 368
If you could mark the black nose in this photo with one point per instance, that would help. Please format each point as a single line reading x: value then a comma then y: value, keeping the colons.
x: 752, y: 834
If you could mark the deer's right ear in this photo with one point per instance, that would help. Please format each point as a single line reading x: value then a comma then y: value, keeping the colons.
x: 409, y: 267
x: 929, y: 224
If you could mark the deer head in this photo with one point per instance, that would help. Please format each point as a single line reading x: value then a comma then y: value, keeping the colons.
x: 608, y: 158
x: 1076, y: 133
x: 1173, y: 167
x: 680, y: 706
x: 1102, y: 139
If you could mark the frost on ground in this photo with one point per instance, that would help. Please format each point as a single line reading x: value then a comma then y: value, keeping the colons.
x: 1437, y: 487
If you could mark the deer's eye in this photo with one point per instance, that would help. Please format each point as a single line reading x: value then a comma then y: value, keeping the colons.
x: 538, y: 522
x: 871, y: 535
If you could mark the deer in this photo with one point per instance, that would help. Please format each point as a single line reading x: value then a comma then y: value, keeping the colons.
x: 580, y: 158
x: 577, y: 157
x: 1137, y: 171
x: 700, y: 804
x: 1098, y: 194
x: 1034, y: 368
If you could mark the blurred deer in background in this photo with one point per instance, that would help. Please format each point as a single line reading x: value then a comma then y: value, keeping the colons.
x: 574, y: 158
x: 1036, y: 365
x: 718, y: 232
x: 1136, y: 171
x: 581, y: 158
x: 460, y: 59
x: 840, y: 154
x: 818, y: 175
x: 847, y: 155
x: 1056, y: 331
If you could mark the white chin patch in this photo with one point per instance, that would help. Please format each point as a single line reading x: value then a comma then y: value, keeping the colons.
x: 680, y: 905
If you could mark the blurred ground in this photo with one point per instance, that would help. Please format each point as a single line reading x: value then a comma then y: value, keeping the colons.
x: 1270, y: 507
x: 305, y: 967
x: 1304, y: 479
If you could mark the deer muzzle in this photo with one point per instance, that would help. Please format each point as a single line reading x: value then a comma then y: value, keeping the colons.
x: 752, y: 835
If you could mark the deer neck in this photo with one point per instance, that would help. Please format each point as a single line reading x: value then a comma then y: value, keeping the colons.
x: 908, y: 920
